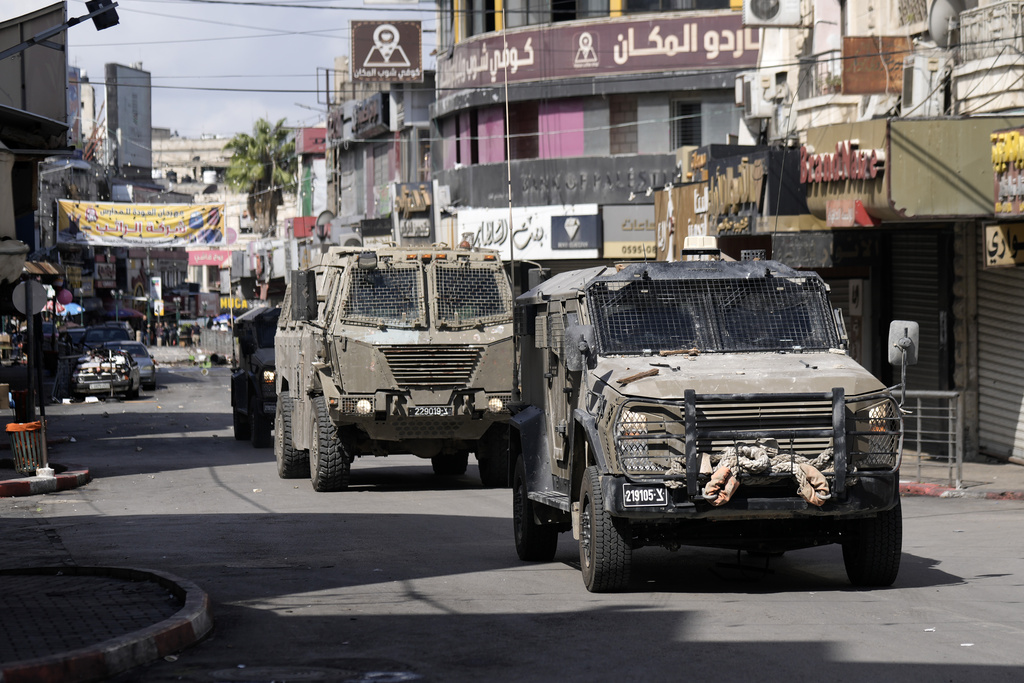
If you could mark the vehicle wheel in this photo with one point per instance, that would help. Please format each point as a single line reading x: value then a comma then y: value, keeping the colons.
x: 241, y: 425
x: 329, y: 461
x: 492, y: 457
x: 872, y: 548
x: 291, y: 463
x: 259, y: 426
x: 605, y: 552
x: 534, y: 542
x: 450, y: 465
x: 133, y: 393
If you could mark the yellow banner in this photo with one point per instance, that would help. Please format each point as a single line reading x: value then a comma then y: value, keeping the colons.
x: 115, y: 224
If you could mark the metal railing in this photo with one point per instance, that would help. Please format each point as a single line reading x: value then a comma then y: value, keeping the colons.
x: 821, y: 74
x: 992, y: 31
x: 933, y: 435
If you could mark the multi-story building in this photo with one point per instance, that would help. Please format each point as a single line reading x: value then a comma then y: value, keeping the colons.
x: 556, y: 122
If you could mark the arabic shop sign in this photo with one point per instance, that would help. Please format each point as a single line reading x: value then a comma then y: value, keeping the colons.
x: 847, y: 163
x: 371, y: 117
x: 1004, y: 245
x: 413, y: 210
x: 1008, y: 165
x: 736, y: 190
x: 666, y: 43
x: 535, y: 233
x: 629, y: 231
x: 386, y: 51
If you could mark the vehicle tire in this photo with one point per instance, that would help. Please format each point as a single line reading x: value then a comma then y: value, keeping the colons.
x: 534, y: 542
x: 450, y: 465
x: 329, y: 461
x: 241, y: 425
x: 492, y: 457
x: 133, y: 393
x: 259, y: 426
x: 605, y: 551
x: 872, y: 548
x: 291, y: 463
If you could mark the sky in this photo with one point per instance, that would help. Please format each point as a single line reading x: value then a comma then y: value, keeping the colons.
x: 218, y: 66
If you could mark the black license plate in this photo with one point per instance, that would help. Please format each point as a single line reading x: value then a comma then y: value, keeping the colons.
x: 431, y: 411
x: 634, y: 496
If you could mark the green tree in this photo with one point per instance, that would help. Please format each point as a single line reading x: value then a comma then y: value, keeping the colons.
x: 263, y: 165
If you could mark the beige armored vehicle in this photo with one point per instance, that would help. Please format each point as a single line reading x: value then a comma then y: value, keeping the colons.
x: 701, y: 403
x: 395, y: 350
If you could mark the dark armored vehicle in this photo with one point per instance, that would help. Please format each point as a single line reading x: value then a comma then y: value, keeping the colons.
x: 253, y: 388
x: 706, y: 403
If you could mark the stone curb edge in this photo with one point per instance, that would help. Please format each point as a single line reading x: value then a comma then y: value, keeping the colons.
x: 910, y: 488
x: 189, y: 625
x: 73, y: 477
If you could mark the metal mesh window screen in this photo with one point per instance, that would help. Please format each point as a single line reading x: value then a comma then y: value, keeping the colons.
x: 712, y: 315
x: 469, y: 294
x: 390, y: 295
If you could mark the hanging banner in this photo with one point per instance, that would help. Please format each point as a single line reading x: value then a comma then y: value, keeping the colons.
x: 118, y: 224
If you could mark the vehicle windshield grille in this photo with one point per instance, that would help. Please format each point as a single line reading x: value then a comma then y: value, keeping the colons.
x: 712, y: 315
x: 470, y: 294
x: 391, y: 295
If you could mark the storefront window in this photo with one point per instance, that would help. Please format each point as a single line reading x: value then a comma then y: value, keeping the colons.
x: 639, y: 6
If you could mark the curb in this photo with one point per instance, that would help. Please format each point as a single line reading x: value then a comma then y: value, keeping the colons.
x: 72, y: 477
x: 189, y: 625
x: 910, y: 488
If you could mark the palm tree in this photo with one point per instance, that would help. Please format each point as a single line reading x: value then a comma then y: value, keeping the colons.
x: 263, y: 164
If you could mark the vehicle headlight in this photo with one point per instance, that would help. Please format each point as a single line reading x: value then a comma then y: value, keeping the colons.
x: 495, y: 405
x: 364, y: 406
x: 877, y: 440
x: 268, y: 376
x: 631, y: 423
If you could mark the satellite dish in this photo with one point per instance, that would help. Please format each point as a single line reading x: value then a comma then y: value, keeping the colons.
x: 939, y: 15
x: 323, y: 224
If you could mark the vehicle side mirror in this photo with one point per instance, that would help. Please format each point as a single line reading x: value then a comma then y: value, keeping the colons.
x: 579, y: 347
x: 303, y: 286
x: 904, y: 340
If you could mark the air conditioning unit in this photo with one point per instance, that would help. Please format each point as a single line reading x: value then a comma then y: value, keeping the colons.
x: 923, y: 84
x: 750, y: 94
x: 773, y: 13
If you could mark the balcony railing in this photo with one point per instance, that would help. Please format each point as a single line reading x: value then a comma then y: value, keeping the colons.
x: 992, y: 31
x: 821, y: 74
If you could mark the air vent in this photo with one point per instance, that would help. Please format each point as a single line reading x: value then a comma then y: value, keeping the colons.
x: 432, y: 366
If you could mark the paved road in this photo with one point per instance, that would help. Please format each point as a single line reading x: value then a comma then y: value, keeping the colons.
x: 411, y: 577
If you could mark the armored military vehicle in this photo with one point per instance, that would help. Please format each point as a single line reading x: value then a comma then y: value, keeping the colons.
x: 253, y: 388
x: 704, y: 403
x: 395, y: 350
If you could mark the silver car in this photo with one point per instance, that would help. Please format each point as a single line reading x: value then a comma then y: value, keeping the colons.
x: 147, y: 364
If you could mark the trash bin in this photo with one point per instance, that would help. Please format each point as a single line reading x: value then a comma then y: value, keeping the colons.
x: 27, y: 446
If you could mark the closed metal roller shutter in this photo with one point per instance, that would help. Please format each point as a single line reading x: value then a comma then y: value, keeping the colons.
x: 917, y: 290
x: 1001, y: 360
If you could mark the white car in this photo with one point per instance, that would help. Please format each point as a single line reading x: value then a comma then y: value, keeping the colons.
x: 146, y: 362
x: 106, y: 372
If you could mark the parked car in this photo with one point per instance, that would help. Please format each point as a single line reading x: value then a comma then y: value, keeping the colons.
x: 146, y: 362
x: 106, y: 372
x: 98, y: 335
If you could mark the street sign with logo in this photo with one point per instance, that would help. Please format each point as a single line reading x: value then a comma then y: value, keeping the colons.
x: 387, y: 51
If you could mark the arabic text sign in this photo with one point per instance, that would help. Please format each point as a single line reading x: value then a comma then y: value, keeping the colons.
x: 1004, y: 245
x: 387, y: 51
x: 537, y: 232
x: 116, y: 224
x: 629, y: 231
x: 643, y: 45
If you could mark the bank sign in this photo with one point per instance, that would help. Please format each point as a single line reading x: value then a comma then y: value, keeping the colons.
x: 535, y: 233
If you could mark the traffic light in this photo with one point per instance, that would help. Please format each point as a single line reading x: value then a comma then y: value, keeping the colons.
x: 106, y: 19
